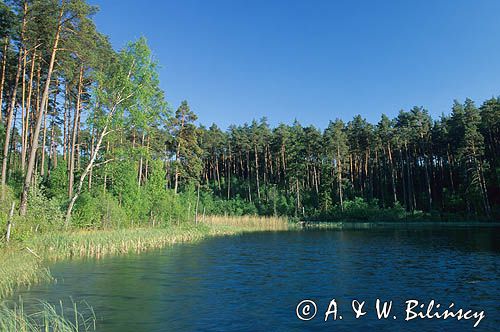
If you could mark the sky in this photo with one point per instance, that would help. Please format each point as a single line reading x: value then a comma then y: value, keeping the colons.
x: 311, y: 60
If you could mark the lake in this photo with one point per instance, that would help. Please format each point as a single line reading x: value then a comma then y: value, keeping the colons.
x: 254, y: 282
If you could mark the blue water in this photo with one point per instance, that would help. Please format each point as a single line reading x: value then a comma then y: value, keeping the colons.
x: 254, y: 282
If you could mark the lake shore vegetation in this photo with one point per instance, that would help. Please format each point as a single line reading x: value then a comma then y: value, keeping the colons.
x: 25, y: 263
x: 89, y: 141
x: 96, y: 162
x: 43, y: 316
x: 93, y: 154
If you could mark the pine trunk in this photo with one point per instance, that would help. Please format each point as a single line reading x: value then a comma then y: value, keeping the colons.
x: 2, y: 78
x: 257, y: 171
x: 36, y: 132
x: 44, y: 139
x: 26, y: 119
x: 8, y: 126
x: 339, y: 179
x: 393, y: 180
x: 76, y: 125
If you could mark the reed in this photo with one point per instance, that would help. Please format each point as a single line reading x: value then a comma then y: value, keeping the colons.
x: 24, y: 264
x: 19, y: 268
x: 43, y: 316
x: 100, y: 243
x: 255, y: 223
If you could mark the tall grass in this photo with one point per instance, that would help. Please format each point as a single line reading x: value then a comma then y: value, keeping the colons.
x: 100, y: 243
x: 43, y: 316
x: 23, y: 264
x: 19, y: 268
x: 257, y: 223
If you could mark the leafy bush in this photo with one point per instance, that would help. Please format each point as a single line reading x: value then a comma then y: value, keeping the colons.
x: 359, y: 209
x: 99, y: 210
x: 57, y: 183
x: 42, y: 211
x: 43, y: 215
x: 231, y: 207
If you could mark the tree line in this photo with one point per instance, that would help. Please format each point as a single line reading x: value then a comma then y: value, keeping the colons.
x: 87, y: 130
x: 448, y: 165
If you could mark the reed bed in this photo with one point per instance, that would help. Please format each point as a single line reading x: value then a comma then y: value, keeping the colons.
x: 257, y: 223
x: 43, y: 316
x: 100, y: 243
x: 24, y: 264
x: 19, y: 268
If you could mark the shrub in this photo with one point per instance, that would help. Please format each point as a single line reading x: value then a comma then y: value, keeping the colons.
x: 99, y: 210
x: 359, y: 209
x: 57, y: 183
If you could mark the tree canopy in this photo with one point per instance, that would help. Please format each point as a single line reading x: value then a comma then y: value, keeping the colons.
x: 88, y: 128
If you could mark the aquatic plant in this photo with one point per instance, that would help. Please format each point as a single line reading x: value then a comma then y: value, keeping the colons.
x: 20, y: 268
x: 248, y: 222
x: 23, y: 262
x: 43, y: 316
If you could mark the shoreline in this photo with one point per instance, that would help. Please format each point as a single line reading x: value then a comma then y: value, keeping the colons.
x: 27, y: 263
x: 390, y: 224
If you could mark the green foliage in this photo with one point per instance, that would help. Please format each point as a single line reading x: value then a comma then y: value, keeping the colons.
x: 360, y: 210
x: 231, y: 207
x: 44, y: 213
x: 6, y: 204
x: 125, y: 188
x: 100, y: 210
x: 163, y: 206
x: 57, y: 183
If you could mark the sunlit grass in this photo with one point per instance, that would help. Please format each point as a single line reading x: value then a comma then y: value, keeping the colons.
x: 24, y: 264
x: 99, y: 243
x: 260, y: 223
x: 43, y: 316
x: 19, y: 268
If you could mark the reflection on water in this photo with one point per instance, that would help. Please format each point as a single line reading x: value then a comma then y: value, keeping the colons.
x: 253, y: 282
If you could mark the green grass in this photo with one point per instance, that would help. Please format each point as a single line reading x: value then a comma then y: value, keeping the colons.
x: 43, y: 316
x: 19, y: 268
x: 25, y: 263
x: 256, y: 222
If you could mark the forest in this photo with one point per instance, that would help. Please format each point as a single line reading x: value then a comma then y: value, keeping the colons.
x: 89, y: 140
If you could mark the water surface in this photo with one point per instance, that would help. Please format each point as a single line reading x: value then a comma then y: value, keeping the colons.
x: 254, y: 282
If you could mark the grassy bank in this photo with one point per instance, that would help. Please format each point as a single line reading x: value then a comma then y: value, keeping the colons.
x: 25, y: 263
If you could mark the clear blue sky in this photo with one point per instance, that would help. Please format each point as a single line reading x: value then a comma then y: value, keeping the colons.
x: 235, y: 60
